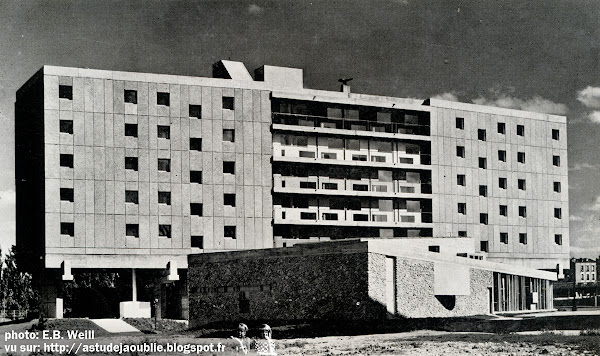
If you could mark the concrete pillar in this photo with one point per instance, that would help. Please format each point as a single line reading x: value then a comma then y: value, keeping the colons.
x: 50, y: 304
x: 133, y: 285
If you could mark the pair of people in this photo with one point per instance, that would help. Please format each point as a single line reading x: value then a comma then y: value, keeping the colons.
x: 264, y: 346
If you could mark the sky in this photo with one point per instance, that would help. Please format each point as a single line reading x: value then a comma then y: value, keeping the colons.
x: 531, y: 55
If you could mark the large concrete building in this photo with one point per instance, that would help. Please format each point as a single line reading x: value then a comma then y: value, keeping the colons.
x: 137, y: 171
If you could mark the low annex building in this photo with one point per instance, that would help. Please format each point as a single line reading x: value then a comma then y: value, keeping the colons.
x: 360, y: 279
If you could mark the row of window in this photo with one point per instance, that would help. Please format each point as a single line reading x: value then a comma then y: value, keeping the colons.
x: 482, y: 134
x: 461, y: 180
x: 484, y: 245
x: 483, y: 217
x: 587, y: 269
x: 162, y: 98
x: 588, y: 276
x: 460, y: 152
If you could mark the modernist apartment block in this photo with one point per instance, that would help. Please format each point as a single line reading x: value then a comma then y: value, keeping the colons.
x: 136, y: 170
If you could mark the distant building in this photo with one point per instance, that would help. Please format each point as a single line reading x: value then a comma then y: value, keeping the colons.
x: 584, y: 270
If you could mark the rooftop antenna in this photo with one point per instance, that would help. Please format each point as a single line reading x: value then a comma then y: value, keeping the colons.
x: 345, y: 86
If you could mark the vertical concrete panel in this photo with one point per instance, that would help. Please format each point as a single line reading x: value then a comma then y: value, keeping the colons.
x: 109, y: 237
x: 144, y: 239
x: 99, y: 197
x: 51, y: 92
x: 175, y: 98
x: 89, y: 231
x: 110, y: 197
x: 99, y: 230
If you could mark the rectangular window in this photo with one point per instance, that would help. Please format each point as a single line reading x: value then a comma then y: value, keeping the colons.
x: 67, y: 228
x: 330, y: 216
x: 460, y: 179
x: 163, y: 131
x: 502, y: 155
x: 462, y: 208
x: 196, y: 209
x: 229, y: 167
x: 164, y: 164
x: 503, y: 210
x: 130, y: 96
x: 483, y: 190
x: 163, y: 99
x: 484, y: 246
x: 556, y: 161
x: 460, y: 151
x: 308, y: 185
x: 131, y: 130
x: 330, y: 186
x: 195, y: 111
x: 557, y: 187
x: 131, y: 163
x: 521, y: 184
x: 229, y: 135
x: 523, y: 238
x: 504, y: 237
x: 66, y: 160
x: 434, y: 248
x: 66, y: 194
x: 131, y: 196
x: 521, y: 157
x: 308, y: 216
x: 164, y: 198
x: 195, y: 144
x: 462, y: 233
x: 558, y: 213
x: 523, y: 211
x: 132, y: 230
x: 196, y: 177
x: 482, y: 162
x: 555, y: 134
x: 502, y: 183
x: 483, y: 218
x: 65, y: 92
x: 229, y: 231
x: 66, y: 126
x: 228, y: 103
x: 460, y: 123
x: 229, y: 199
x: 197, y: 241
x: 481, y: 135
x: 501, y: 128
x: 164, y: 231
x: 520, y: 130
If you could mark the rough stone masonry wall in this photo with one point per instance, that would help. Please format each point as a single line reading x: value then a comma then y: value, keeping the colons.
x: 331, y: 286
x: 415, y: 292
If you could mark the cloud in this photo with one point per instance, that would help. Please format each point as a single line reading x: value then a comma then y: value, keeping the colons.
x: 536, y: 104
x: 449, y: 96
x: 403, y: 2
x: 255, y: 9
x: 583, y: 166
x: 590, y: 97
x: 594, y: 117
x: 576, y: 218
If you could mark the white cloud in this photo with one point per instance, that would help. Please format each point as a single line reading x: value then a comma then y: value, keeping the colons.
x: 583, y: 166
x: 576, y: 218
x: 590, y: 97
x: 255, y: 9
x: 449, y: 96
x: 536, y: 104
x: 594, y: 116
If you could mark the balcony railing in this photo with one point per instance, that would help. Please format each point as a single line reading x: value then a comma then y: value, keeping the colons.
x: 350, y: 124
x: 367, y: 216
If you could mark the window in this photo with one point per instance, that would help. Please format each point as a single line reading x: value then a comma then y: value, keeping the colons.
x: 434, y: 248
x: 66, y: 194
x: 523, y: 238
x: 229, y: 167
x: 66, y: 160
x: 557, y: 187
x: 460, y: 123
x: 130, y: 96
x: 229, y: 231
x: 555, y: 134
x: 558, y: 213
x: 504, y: 237
x: 163, y: 99
x: 329, y: 186
x: 67, y: 228
x: 132, y: 230
x: 503, y: 210
x: 195, y: 144
x: 520, y: 130
x: 163, y: 131
x: 482, y: 162
x: 483, y: 218
x: 501, y: 128
x: 462, y: 233
x: 164, y: 164
x: 481, y: 135
x: 164, y: 231
x: 197, y: 241
x: 460, y: 151
x: 131, y: 130
x: 484, y: 246
x: 131, y: 196
x: 228, y: 103
x: 164, y: 198
x: 521, y: 184
x: 483, y: 190
x: 65, y: 92
x: 196, y: 209
x: 313, y: 185
x: 196, y: 177
x: 502, y: 155
x: 229, y: 135
x: 195, y: 111
x: 460, y: 179
x: 229, y: 199
x: 556, y: 161
x: 502, y: 183
x: 521, y: 157
x: 523, y: 211
x: 66, y: 126
x: 131, y: 163
x: 462, y: 208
